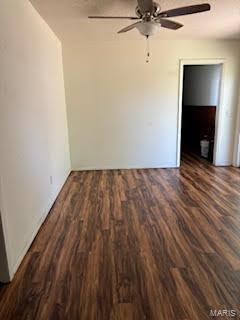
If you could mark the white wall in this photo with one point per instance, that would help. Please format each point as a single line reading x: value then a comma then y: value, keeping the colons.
x: 201, y: 85
x: 33, y: 126
x: 123, y: 113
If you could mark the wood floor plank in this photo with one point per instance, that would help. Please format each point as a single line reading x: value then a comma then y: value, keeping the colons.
x: 134, y: 245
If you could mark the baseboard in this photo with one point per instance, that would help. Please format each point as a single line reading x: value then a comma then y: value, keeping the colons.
x: 33, y: 235
x: 223, y: 164
x: 27, y: 246
x: 167, y: 166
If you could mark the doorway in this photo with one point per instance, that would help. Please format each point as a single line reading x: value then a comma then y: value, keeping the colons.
x: 199, y: 109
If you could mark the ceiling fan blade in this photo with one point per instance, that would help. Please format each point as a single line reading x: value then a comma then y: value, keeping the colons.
x: 132, y: 26
x: 185, y: 10
x: 109, y: 17
x: 145, y: 5
x: 173, y: 25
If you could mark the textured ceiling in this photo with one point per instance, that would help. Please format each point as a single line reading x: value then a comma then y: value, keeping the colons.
x: 68, y: 19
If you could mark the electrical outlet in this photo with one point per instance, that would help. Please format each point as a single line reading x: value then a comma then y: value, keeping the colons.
x: 51, y: 179
x: 229, y: 114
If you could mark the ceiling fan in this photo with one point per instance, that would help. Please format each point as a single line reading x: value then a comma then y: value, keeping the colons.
x: 151, y: 17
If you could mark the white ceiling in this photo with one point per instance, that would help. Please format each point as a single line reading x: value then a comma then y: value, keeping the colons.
x: 68, y: 19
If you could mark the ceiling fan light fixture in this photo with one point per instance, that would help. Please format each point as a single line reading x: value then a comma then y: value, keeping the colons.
x: 148, y: 28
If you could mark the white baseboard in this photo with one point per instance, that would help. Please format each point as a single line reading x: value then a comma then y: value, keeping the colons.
x: 28, y: 244
x: 223, y: 164
x: 89, y: 168
x: 33, y: 235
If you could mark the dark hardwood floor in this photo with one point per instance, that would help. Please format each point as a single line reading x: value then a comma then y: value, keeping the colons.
x: 160, y: 244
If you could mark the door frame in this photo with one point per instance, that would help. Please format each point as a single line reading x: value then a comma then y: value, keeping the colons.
x: 236, y: 152
x: 219, y: 111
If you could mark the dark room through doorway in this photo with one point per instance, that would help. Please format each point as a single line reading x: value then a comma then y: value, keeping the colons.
x: 200, y: 100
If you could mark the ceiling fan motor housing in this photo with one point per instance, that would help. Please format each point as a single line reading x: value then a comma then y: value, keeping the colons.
x: 156, y: 11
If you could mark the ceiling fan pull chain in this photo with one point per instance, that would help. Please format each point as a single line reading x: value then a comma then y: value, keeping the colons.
x: 148, y: 50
